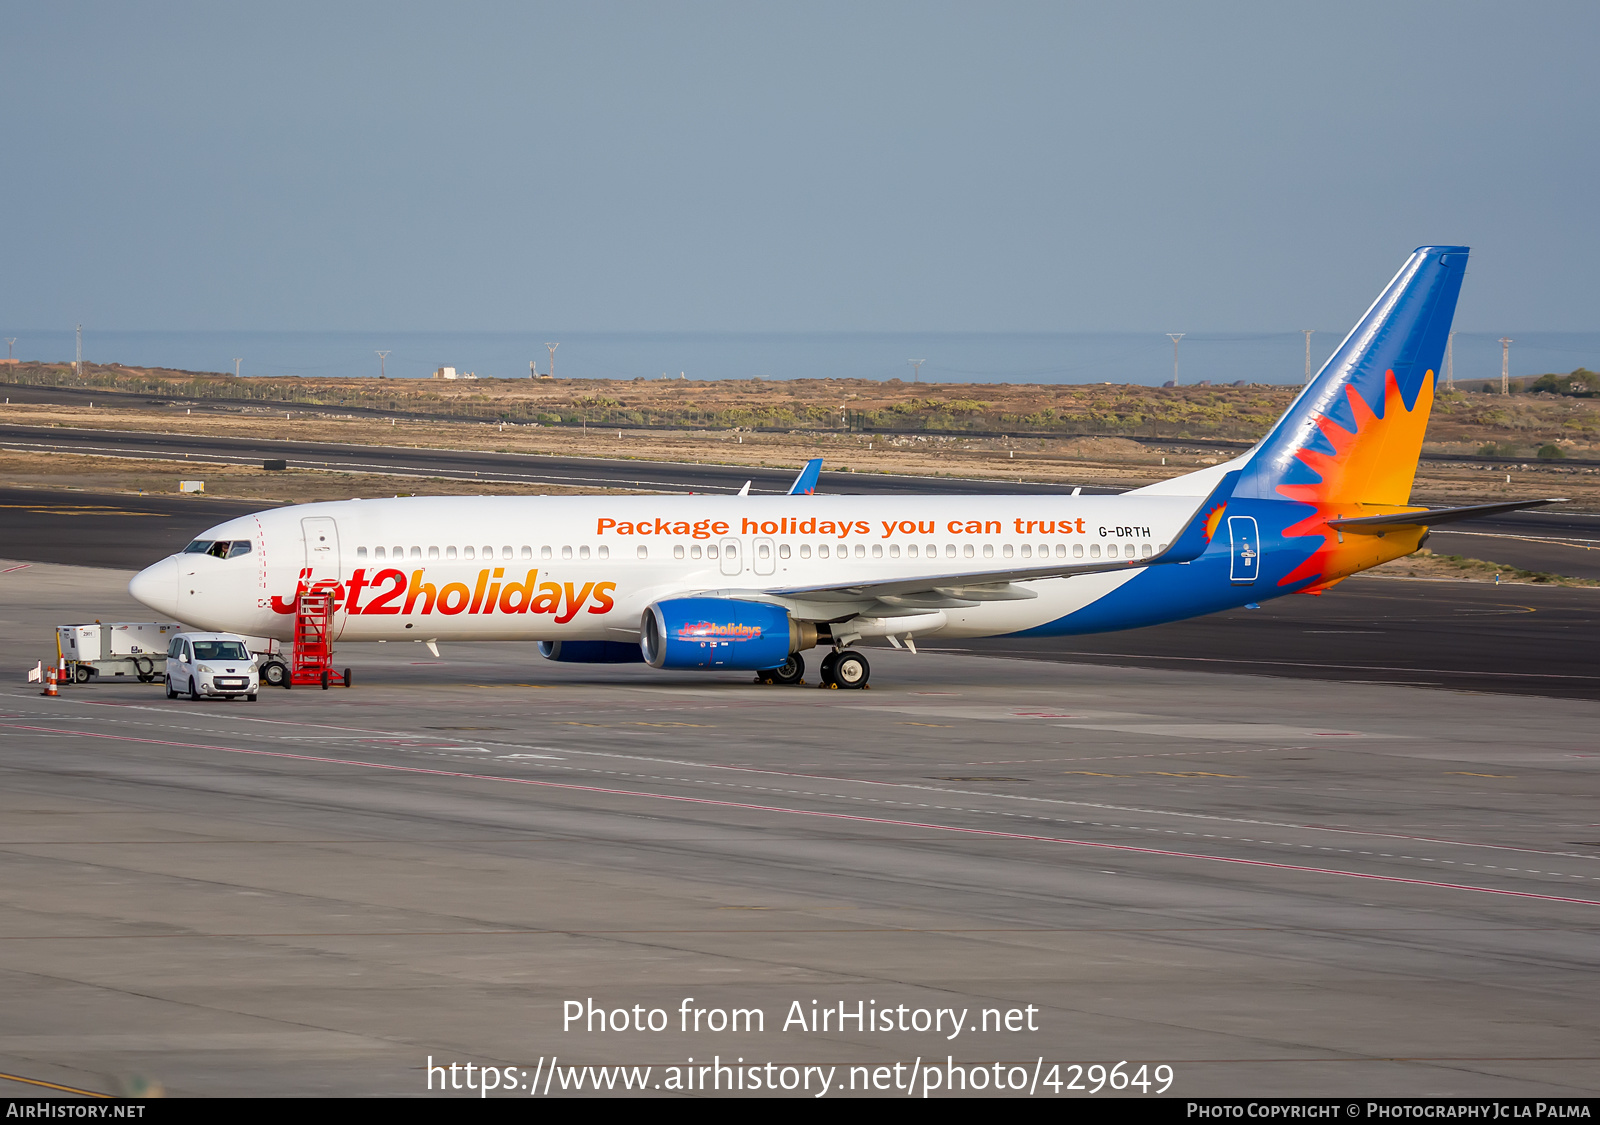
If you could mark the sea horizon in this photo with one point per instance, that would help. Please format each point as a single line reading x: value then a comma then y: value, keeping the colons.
x: 951, y: 357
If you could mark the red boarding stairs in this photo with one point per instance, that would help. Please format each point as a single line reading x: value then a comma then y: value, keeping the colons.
x: 312, y: 662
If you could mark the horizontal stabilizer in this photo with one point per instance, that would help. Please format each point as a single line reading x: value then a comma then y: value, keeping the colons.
x: 1429, y: 517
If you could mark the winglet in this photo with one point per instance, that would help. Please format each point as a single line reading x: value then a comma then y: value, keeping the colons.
x: 806, y: 483
x: 1196, y: 535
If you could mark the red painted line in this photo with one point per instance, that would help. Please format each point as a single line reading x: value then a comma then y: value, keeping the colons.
x: 8, y: 570
x: 989, y: 832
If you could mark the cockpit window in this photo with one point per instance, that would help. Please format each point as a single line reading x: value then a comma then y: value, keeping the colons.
x: 219, y: 548
x: 220, y: 650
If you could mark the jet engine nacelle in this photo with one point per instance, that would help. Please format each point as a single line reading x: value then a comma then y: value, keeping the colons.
x: 721, y: 633
x: 591, y: 652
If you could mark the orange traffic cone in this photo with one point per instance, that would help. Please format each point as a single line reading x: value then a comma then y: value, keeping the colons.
x: 50, y: 682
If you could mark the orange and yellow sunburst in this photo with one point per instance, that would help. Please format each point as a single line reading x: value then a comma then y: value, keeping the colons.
x: 1369, y: 472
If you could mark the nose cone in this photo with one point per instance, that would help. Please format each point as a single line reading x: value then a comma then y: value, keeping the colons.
x: 157, y: 586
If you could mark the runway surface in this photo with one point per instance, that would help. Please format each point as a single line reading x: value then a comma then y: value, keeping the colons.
x: 1272, y: 886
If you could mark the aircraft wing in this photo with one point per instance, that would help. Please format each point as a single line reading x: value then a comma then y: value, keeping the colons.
x: 973, y: 586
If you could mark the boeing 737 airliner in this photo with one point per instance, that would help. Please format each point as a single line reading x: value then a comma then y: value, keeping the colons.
x: 723, y: 583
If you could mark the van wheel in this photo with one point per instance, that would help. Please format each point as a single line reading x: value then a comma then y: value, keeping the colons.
x: 251, y: 697
x: 171, y: 694
x: 194, y: 692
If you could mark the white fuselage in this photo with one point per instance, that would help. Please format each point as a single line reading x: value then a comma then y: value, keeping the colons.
x: 586, y: 567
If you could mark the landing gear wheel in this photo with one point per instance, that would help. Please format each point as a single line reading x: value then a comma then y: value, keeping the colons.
x: 275, y: 673
x: 851, y: 670
x: 81, y: 673
x: 825, y: 671
x: 327, y: 678
x: 194, y: 692
x: 791, y: 671
x: 171, y: 692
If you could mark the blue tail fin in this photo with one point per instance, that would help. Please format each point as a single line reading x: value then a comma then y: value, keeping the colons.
x: 1355, y: 433
x: 806, y: 483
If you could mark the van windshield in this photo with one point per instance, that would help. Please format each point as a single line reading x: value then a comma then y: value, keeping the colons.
x: 220, y: 650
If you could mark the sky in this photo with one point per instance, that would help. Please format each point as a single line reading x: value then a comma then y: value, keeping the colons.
x: 800, y: 167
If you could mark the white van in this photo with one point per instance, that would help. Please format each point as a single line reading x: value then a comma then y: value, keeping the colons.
x: 211, y: 665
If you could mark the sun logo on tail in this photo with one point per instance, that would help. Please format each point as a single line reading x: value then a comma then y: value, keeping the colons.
x: 1373, y: 463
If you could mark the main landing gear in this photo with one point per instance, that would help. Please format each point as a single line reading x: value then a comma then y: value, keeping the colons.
x: 791, y: 671
x: 845, y: 669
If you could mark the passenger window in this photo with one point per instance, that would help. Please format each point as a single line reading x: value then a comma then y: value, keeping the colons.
x: 805, y: 550
x: 1094, y: 550
x: 1061, y: 550
x: 711, y: 552
x: 695, y: 552
x: 1127, y: 550
x: 988, y: 550
x: 566, y: 552
x: 583, y: 552
x: 1111, y: 550
x: 877, y: 550
x: 433, y: 552
x: 1077, y: 550
x: 416, y: 552
x: 544, y: 552
x: 1145, y: 551
x: 1027, y: 551
x: 643, y: 552
x: 822, y: 551
x: 967, y: 550
x: 605, y: 552
x: 469, y: 552
x: 931, y: 550
x: 527, y: 551
x: 239, y: 547
x: 488, y: 552
x: 949, y: 550
x: 894, y: 550
x: 912, y: 550
x: 506, y: 553
x: 377, y: 552
x: 783, y: 550
x: 1006, y: 550
x: 449, y: 552
x: 763, y: 550
x: 861, y: 551
x: 677, y: 551
x: 361, y: 552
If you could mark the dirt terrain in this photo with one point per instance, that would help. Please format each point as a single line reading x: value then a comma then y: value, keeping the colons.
x: 1564, y: 414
